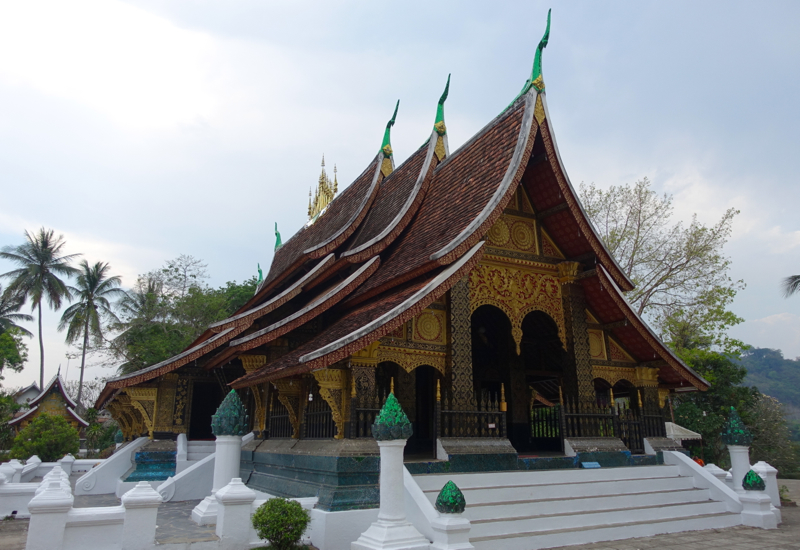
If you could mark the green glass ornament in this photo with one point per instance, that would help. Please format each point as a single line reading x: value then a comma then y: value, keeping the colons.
x: 450, y: 499
x: 392, y: 422
x: 753, y: 482
x: 735, y: 432
x: 231, y: 417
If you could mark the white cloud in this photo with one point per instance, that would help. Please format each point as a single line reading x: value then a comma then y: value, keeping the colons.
x: 136, y: 68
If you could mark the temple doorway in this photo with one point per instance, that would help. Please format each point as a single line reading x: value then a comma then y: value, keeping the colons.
x: 206, y: 398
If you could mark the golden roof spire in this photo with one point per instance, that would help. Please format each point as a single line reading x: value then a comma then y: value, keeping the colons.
x: 326, y: 190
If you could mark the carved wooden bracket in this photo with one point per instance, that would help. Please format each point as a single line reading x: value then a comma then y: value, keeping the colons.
x: 289, y: 396
x: 332, y: 386
x: 144, y: 401
x: 252, y: 363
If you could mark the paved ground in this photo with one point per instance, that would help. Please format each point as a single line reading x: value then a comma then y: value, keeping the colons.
x: 175, y: 526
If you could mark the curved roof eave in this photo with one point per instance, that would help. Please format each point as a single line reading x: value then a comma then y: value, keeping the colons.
x: 644, y: 329
x: 383, y: 239
x: 323, y: 303
x: 374, y: 329
x: 575, y: 204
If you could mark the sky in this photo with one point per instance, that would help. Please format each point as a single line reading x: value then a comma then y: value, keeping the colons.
x: 146, y: 129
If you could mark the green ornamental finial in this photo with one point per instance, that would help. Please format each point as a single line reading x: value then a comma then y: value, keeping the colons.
x: 230, y: 418
x: 450, y: 499
x: 278, y: 242
x: 260, y: 275
x: 536, y: 81
x: 392, y: 422
x: 386, y: 146
x: 735, y: 432
x: 753, y: 482
x: 118, y: 437
x: 438, y: 125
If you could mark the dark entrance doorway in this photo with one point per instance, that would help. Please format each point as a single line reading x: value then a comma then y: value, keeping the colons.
x: 422, y: 443
x: 206, y: 398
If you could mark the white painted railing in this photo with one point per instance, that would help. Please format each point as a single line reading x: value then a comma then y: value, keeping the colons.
x: 103, y: 479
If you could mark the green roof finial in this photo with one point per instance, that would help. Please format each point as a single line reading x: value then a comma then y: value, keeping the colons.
x: 230, y: 418
x: 450, y: 500
x: 260, y: 275
x: 392, y: 422
x: 440, y: 110
x: 753, y: 482
x: 536, y: 81
x: 386, y: 146
x: 278, y: 242
x: 735, y: 432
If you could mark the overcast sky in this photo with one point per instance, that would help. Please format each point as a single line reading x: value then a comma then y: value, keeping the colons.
x: 146, y: 129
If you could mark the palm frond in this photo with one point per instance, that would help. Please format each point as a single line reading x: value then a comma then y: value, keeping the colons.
x: 791, y: 285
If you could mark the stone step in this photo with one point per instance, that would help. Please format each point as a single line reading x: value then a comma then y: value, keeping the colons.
x: 545, y: 477
x: 499, y: 494
x: 508, y: 509
x: 617, y: 531
x: 511, y: 526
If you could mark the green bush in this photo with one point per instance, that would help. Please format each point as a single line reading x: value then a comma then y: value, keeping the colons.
x: 281, y: 522
x: 49, y: 437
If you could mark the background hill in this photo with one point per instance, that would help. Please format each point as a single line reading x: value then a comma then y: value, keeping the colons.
x: 776, y: 376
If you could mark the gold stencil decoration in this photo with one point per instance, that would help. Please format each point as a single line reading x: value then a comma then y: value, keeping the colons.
x: 429, y: 326
x: 409, y: 359
x: 538, y: 110
x: 439, y: 149
x: 549, y: 248
x: 612, y: 375
x: 499, y: 234
x: 597, y: 348
x: 517, y: 292
x: 522, y: 235
x: 616, y: 353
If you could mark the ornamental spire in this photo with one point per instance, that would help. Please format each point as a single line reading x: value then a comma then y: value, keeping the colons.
x: 278, y: 242
x: 387, y: 166
x: 439, y: 127
x: 535, y: 81
x: 326, y: 190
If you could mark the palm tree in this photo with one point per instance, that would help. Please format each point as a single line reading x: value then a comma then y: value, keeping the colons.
x: 93, y: 288
x: 791, y: 285
x: 10, y: 304
x: 41, y: 263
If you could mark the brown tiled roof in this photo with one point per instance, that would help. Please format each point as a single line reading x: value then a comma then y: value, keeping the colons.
x: 317, y: 305
x: 399, y: 197
x: 459, y: 207
x: 340, y: 220
x: 357, y: 327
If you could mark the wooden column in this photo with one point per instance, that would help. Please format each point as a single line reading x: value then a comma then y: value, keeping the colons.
x: 578, y: 375
x: 461, y: 383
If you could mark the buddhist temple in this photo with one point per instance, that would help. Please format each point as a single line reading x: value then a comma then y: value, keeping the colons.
x: 470, y: 283
x: 52, y: 400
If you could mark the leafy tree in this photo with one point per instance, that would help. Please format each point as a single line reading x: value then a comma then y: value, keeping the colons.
x: 10, y: 304
x: 791, y: 285
x: 41, y: 264
x: 13, y: 351
x: 771, y: 438
x: 680, y: 272
x: 168, y: 309
x: 48, y: 436
x: 706, y: 412
x: 91, y: 391
x: 85, y: 318
x: 8, y: 406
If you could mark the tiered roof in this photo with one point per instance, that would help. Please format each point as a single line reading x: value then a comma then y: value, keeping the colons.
x: 56, y: 385
x: 397, y: 239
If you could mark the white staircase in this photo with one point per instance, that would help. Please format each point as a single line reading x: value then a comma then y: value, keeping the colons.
x: 198, y: 450
x: 544, y: 509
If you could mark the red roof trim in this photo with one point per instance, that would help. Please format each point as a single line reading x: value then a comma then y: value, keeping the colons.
x: 666, y: 354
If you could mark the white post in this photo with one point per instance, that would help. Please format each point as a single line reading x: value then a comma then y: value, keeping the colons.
x: 66, y: 464
x: 716, y: 471
x: 392, y: 530
x: 235, y: 505
x: 141, y: 509
x: 740, y: 465
x: 228, y: 451
x: 49, y: 510
x: 18, y: 467
x: 770, y: 477
x: 756, y: 510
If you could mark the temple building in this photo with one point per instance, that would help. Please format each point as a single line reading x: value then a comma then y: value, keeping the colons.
x: 470, y: 283
x: 52, y: 400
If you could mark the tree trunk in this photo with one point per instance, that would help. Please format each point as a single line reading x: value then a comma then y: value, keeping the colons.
x: 41, y: 351
x: 83, y: 358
